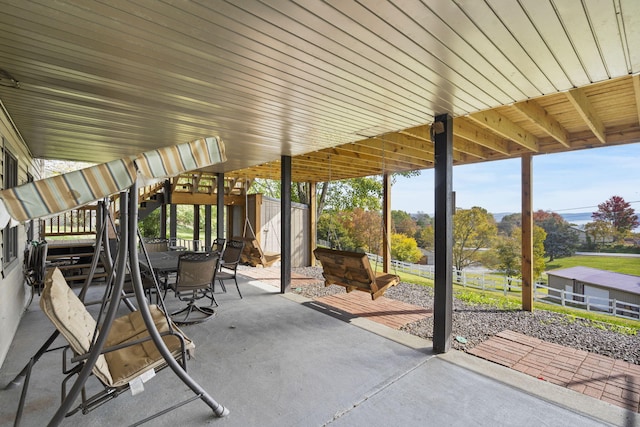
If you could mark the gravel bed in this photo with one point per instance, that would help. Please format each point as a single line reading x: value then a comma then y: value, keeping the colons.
x: 476, y: 323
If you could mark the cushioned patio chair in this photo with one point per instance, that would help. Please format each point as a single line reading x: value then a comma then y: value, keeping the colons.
x: 229, y: 263
x: 194, y: 280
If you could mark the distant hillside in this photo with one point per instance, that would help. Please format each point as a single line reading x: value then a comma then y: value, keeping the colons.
x: 577, y: 218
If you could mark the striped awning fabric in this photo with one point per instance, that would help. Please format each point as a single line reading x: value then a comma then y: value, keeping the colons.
x: 60, y: 193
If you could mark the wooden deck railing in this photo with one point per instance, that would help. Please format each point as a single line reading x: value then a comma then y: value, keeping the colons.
x: 75, y: 222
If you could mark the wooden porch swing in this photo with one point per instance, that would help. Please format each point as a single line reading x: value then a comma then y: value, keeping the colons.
x: 352, y: 270
x: 252, y: 253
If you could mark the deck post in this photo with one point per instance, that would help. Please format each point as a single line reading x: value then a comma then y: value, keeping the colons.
x: 442, y: 135
x: 313, y: 222
x: 285, y: 225
x: 527, y: 234
x: 386, y: 219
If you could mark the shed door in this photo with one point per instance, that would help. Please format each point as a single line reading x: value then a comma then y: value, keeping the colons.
x: 598, y: 297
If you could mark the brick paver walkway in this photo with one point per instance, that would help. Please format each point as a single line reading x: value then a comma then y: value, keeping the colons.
x: 607, y: 379
x: 392, y: 313
x: 389, y: 312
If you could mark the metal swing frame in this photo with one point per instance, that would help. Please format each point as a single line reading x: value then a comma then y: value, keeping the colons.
x: 127, y: 256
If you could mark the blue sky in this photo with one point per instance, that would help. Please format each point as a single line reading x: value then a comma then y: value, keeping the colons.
x: 569, y: 182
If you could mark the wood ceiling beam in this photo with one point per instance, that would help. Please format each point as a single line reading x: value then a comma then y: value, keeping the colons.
x: 504, y: 127
x: 464, y: 128
x: 421, y: 132
x: 582, y: 105
x: 544, y: 121
x: 465, y: 146
x: 373, y: 151
x: 636, y: 91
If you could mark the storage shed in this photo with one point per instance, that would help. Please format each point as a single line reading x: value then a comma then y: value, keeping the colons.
x: 597, y: 284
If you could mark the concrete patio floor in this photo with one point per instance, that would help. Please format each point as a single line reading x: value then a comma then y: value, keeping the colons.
x: 273, y: 360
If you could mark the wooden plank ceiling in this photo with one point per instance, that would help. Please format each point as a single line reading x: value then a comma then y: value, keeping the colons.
x: 346, y: 88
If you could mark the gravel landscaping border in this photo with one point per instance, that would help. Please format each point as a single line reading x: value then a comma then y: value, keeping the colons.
x: 476, y: 323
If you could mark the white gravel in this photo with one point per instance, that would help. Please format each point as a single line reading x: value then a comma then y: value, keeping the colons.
x: 477, y: 323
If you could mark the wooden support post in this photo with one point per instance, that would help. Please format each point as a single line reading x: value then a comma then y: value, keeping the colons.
x: 443, y: 291
x: 313, y: 222
x: 220, y: 206
x: 527, y: 234
x: 285, y: 226
x: 386, y: 219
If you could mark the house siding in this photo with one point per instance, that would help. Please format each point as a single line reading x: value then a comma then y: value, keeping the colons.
x: 14, y: 295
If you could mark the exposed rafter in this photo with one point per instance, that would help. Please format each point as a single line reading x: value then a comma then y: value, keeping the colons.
x: 465, y: 129
x: 507, y: 129
x: 582, y: 105
x: 544, y: 120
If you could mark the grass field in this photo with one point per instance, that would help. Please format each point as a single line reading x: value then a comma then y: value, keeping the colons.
x: 625, y: 265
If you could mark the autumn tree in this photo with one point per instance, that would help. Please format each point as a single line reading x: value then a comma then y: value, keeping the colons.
x: 404, y: 248
x: 473, y: 229
x: 365, y: 230
x: 619, y: 214
x: 402, y: 223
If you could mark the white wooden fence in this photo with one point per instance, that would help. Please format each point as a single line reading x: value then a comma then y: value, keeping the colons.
x: 487, y: 280
x: 566, y: 298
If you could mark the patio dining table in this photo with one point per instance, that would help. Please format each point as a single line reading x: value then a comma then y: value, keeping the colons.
x: 162, y: 263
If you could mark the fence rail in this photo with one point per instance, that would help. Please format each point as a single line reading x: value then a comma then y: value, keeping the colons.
x: 495, y: 282
x: 566, y: 298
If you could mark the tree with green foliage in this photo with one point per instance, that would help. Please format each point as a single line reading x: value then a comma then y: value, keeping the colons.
x: 561, y: 240
x: 404, y: 248
x: 331, y: 229
x: 150, y: 226
x: 473, y: 229
x: 506, y: 255
x: 599, y: 231
x: 426, y: 237
x: 508, y: 223
x: 619, y: 214
x: 423, y: 219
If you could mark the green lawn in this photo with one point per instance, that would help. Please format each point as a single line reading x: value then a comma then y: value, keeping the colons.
x: 514, y: 302
x: 625, y: 265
